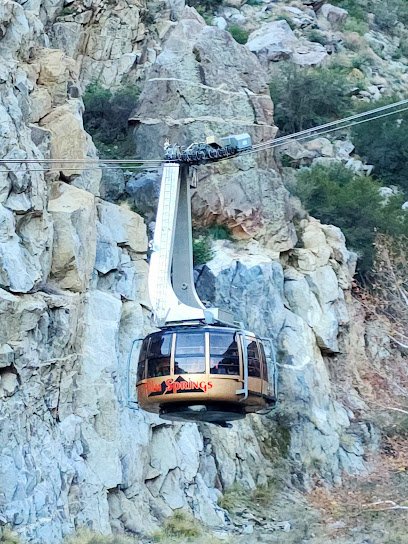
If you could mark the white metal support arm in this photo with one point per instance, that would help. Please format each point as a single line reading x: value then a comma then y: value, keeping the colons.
x: 171, y: 285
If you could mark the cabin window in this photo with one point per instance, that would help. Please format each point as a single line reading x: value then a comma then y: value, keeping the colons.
x: 263, y: 362
x: 158, y: 361
x: 189, y: 357
x: 142, y: 360
x: 254, y: 362
x: 224, y: 355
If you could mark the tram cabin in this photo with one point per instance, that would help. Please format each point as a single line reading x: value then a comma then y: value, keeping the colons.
x: 204, y: 373
x: 240, y: 142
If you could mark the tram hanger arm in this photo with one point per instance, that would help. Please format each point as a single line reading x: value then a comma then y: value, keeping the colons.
x: 171, y: 277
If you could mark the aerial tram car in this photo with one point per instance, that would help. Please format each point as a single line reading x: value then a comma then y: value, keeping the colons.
x: 201, y: 365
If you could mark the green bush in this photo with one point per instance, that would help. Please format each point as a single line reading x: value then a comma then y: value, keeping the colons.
x: 336, y: 195
x: 288, y: 162
x: 233, y: 497
x: 305, y: 98
x: 202, y: 250
x: 397, y: 54
x: 262, y: 495
x: 180, y: 525
x: 84, y: 536
x: 317, y: 36
x: 287, y: 18
x: 202, y: 242
x: 385, y: 17
x: 357, y: 9
x: 239, y: 34
x: 389, y: 12
x: 237, y: 496
x: 355, y: 25
x: 106, y: 119
x: 219, y: 232
x: 67, y: 10
x: 8, y: 537
x: 205, y: 6
x: 403, y: 48
x: 360, y: 61
x: 384, y: 143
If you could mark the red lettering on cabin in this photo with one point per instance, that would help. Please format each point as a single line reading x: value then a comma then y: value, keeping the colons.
x: 173, y: 386
x: 153, y: 387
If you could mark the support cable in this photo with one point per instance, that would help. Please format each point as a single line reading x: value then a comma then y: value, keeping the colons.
x: 279, y: 142
x: 134, y: 164
x: 334, y: 123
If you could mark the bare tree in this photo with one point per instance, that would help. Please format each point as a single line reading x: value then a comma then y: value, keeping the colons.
x: 390, y: 287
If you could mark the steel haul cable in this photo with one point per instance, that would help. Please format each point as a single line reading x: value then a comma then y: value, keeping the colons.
x: 279, y: 143
x: 140, y: 164
x: 334, y: 123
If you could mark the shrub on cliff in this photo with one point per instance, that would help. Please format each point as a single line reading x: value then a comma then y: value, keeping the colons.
x: 205, y: 6
x: 202, y: 251
x: 85, y: 536
x: 239, y: 34
x: 106, y: 119
x: 180, y: 525
x: 388, y: 13
x: 355, y: 8
x: 202, y: 242
x: 355, y: 25
x: 8, y: 537
x: 391, y: 282
x: 317, y: 36
x: 308, y: 97
x: 336, y: 195
x: 384, y: 143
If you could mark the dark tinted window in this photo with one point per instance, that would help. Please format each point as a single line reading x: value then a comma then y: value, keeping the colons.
x: 224, y: 355
x: 160, y: 345
x: 190, y: 353
x: 263, y: 362
x: 158, y: 360
x: 254, y: 363
x: 142, y: 359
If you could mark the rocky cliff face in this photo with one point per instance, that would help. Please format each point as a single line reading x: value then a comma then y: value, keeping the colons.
x: 73, y: 280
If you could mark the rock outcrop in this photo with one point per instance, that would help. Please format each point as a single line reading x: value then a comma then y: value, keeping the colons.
x: 204, y: 81
x: 276, y: 41
x: 201, y: 80
x: 301, y: 305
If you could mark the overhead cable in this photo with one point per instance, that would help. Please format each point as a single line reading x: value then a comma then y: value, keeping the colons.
x: 278, y: 142
x: 81, y: 161
x: 154, y: 164
x: 333, y: 124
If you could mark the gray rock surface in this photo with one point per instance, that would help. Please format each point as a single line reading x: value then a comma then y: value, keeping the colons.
x: 299, y: 312
x: 112, y: 186
x: 227, y: 97
x: 333, y: 14
x: 143, y: 191
x: 105, y: 38
x: 234, y: 95
x: 276, y: 41
x: 252, y: 204
x: 73, y: 213
x: 19, y: 271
